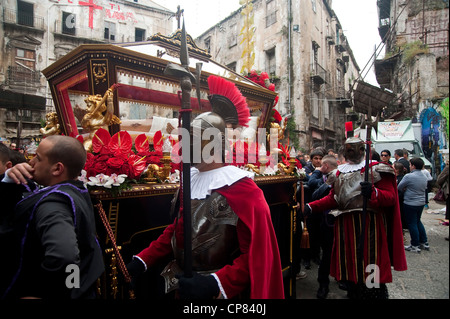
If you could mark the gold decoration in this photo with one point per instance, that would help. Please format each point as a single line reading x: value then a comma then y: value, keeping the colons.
x: 99, y: 71
x: 288, y: 170
x: 174, y: 42
x: 52, y: 125
x: 99, y: 113
x: 153, y: 173
x: 280, y: 128
x: 248, y: 35
x: 262, y: 167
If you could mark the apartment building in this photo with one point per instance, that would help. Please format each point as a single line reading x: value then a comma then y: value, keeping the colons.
x: 36, y: 33
x: 301, y: 45
x: 415, y: 67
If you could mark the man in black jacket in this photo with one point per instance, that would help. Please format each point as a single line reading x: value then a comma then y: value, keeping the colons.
x: 52, y: 248
x: 320, y: 183
x: 399, y: 157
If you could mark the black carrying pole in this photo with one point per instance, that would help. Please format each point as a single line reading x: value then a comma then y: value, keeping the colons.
x: 186, y: 86
x: 187, y: 78
x: 365, y: 200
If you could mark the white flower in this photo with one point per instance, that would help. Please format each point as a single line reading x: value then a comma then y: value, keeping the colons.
x: 271, y: 170
x: 107, y: 181
x: 301, y: 172
x: 83, y: 177
x: 99, y: 180
x: 115, y: 180
x: 175, y: 177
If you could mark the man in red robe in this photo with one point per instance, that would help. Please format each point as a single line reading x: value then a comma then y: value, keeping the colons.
x: 234, y: 249
x: 365, y: 270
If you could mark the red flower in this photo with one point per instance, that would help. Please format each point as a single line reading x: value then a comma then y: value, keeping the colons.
x: 158, y: 141
x: 116, y: 162
x: 272, y: 87
x: 121, y: 142
x: 276, y: 116
x: 137, y: 166
x: 100, y: 140
x: 141, y: 143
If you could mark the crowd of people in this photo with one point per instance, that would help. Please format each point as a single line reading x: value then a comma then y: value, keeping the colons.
x: 49, y: 222
x: 395, y: 196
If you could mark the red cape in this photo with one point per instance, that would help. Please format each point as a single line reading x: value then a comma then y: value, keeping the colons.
x: 386, y: 202
x: 264, y: 257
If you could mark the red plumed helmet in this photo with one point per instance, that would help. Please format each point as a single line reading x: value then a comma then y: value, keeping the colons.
x: 227, y: 101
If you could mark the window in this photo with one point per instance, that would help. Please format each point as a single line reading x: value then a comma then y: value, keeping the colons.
x: 271, y: 63
x: 338, y: 76
x: 110, y: 31
x: 326, y: 108
x: 315, y: 105
x: 26, y: 58
x: 232, y: 66
x: 208, y: 44
x: 139, y: 35
x: 271, y: 13
x: 314, y: 57
x: 68, y: 23
x: 25, y: 14
x: 232, y: 39
x: 337, y: 34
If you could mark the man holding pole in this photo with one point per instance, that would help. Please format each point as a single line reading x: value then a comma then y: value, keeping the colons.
x: 364, y: 193
x: 234, y: 248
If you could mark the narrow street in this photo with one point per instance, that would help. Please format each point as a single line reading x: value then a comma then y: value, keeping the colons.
x: 427, y: 276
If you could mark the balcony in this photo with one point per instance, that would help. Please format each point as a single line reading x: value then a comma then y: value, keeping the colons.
x: 318, y: 74
x: 23, y: 19
x: 18, y: 75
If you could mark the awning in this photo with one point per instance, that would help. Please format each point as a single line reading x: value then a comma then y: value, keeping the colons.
x: 367, y: 96
x: 14, y: 100
x: 12, y: 133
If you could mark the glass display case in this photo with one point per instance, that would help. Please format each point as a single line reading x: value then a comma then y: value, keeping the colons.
x: 145, y: 99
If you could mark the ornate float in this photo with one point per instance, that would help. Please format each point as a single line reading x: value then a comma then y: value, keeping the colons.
x: 122, y: 89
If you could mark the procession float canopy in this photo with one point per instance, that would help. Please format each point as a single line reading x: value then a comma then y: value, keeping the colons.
x: 112, y: 88
x: 143, y: 99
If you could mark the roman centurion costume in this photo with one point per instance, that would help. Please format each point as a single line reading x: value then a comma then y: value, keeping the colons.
x: 382, y: 239
x: 233, y: 240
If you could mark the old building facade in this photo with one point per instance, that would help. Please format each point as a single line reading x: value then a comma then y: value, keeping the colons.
x: 35, y: 33
x: 416, y: 67
x: 301, y: 45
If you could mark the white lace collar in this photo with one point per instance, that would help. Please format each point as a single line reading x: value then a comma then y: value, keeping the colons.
x: 347, y: 167
x: 203, y: 183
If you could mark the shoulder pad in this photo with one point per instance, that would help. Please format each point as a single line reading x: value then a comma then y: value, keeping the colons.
x: 384, y: 168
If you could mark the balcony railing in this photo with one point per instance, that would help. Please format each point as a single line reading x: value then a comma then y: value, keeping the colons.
x: 319, y: 74
x: 340, y: 91
x: 18, y: 74
x: 23, y: 18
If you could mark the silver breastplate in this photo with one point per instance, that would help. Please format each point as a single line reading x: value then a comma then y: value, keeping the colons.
x: 347, y: 190
x: 214, y: 236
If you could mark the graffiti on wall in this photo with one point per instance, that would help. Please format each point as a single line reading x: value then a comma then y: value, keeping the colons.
x: 434, y: 122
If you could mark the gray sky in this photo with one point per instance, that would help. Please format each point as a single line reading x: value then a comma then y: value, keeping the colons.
x: 358, y: 18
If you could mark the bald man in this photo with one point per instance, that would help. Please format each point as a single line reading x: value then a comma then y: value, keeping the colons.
x: 53, y: 252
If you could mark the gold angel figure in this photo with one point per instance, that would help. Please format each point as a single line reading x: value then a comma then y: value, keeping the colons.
x: 51, y: 125
x: 99, y: 113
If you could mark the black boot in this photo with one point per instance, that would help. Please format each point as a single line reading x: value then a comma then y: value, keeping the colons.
x: 322, y: 293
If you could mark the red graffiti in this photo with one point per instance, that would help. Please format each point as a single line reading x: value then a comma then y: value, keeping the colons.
x: 92, y: 6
